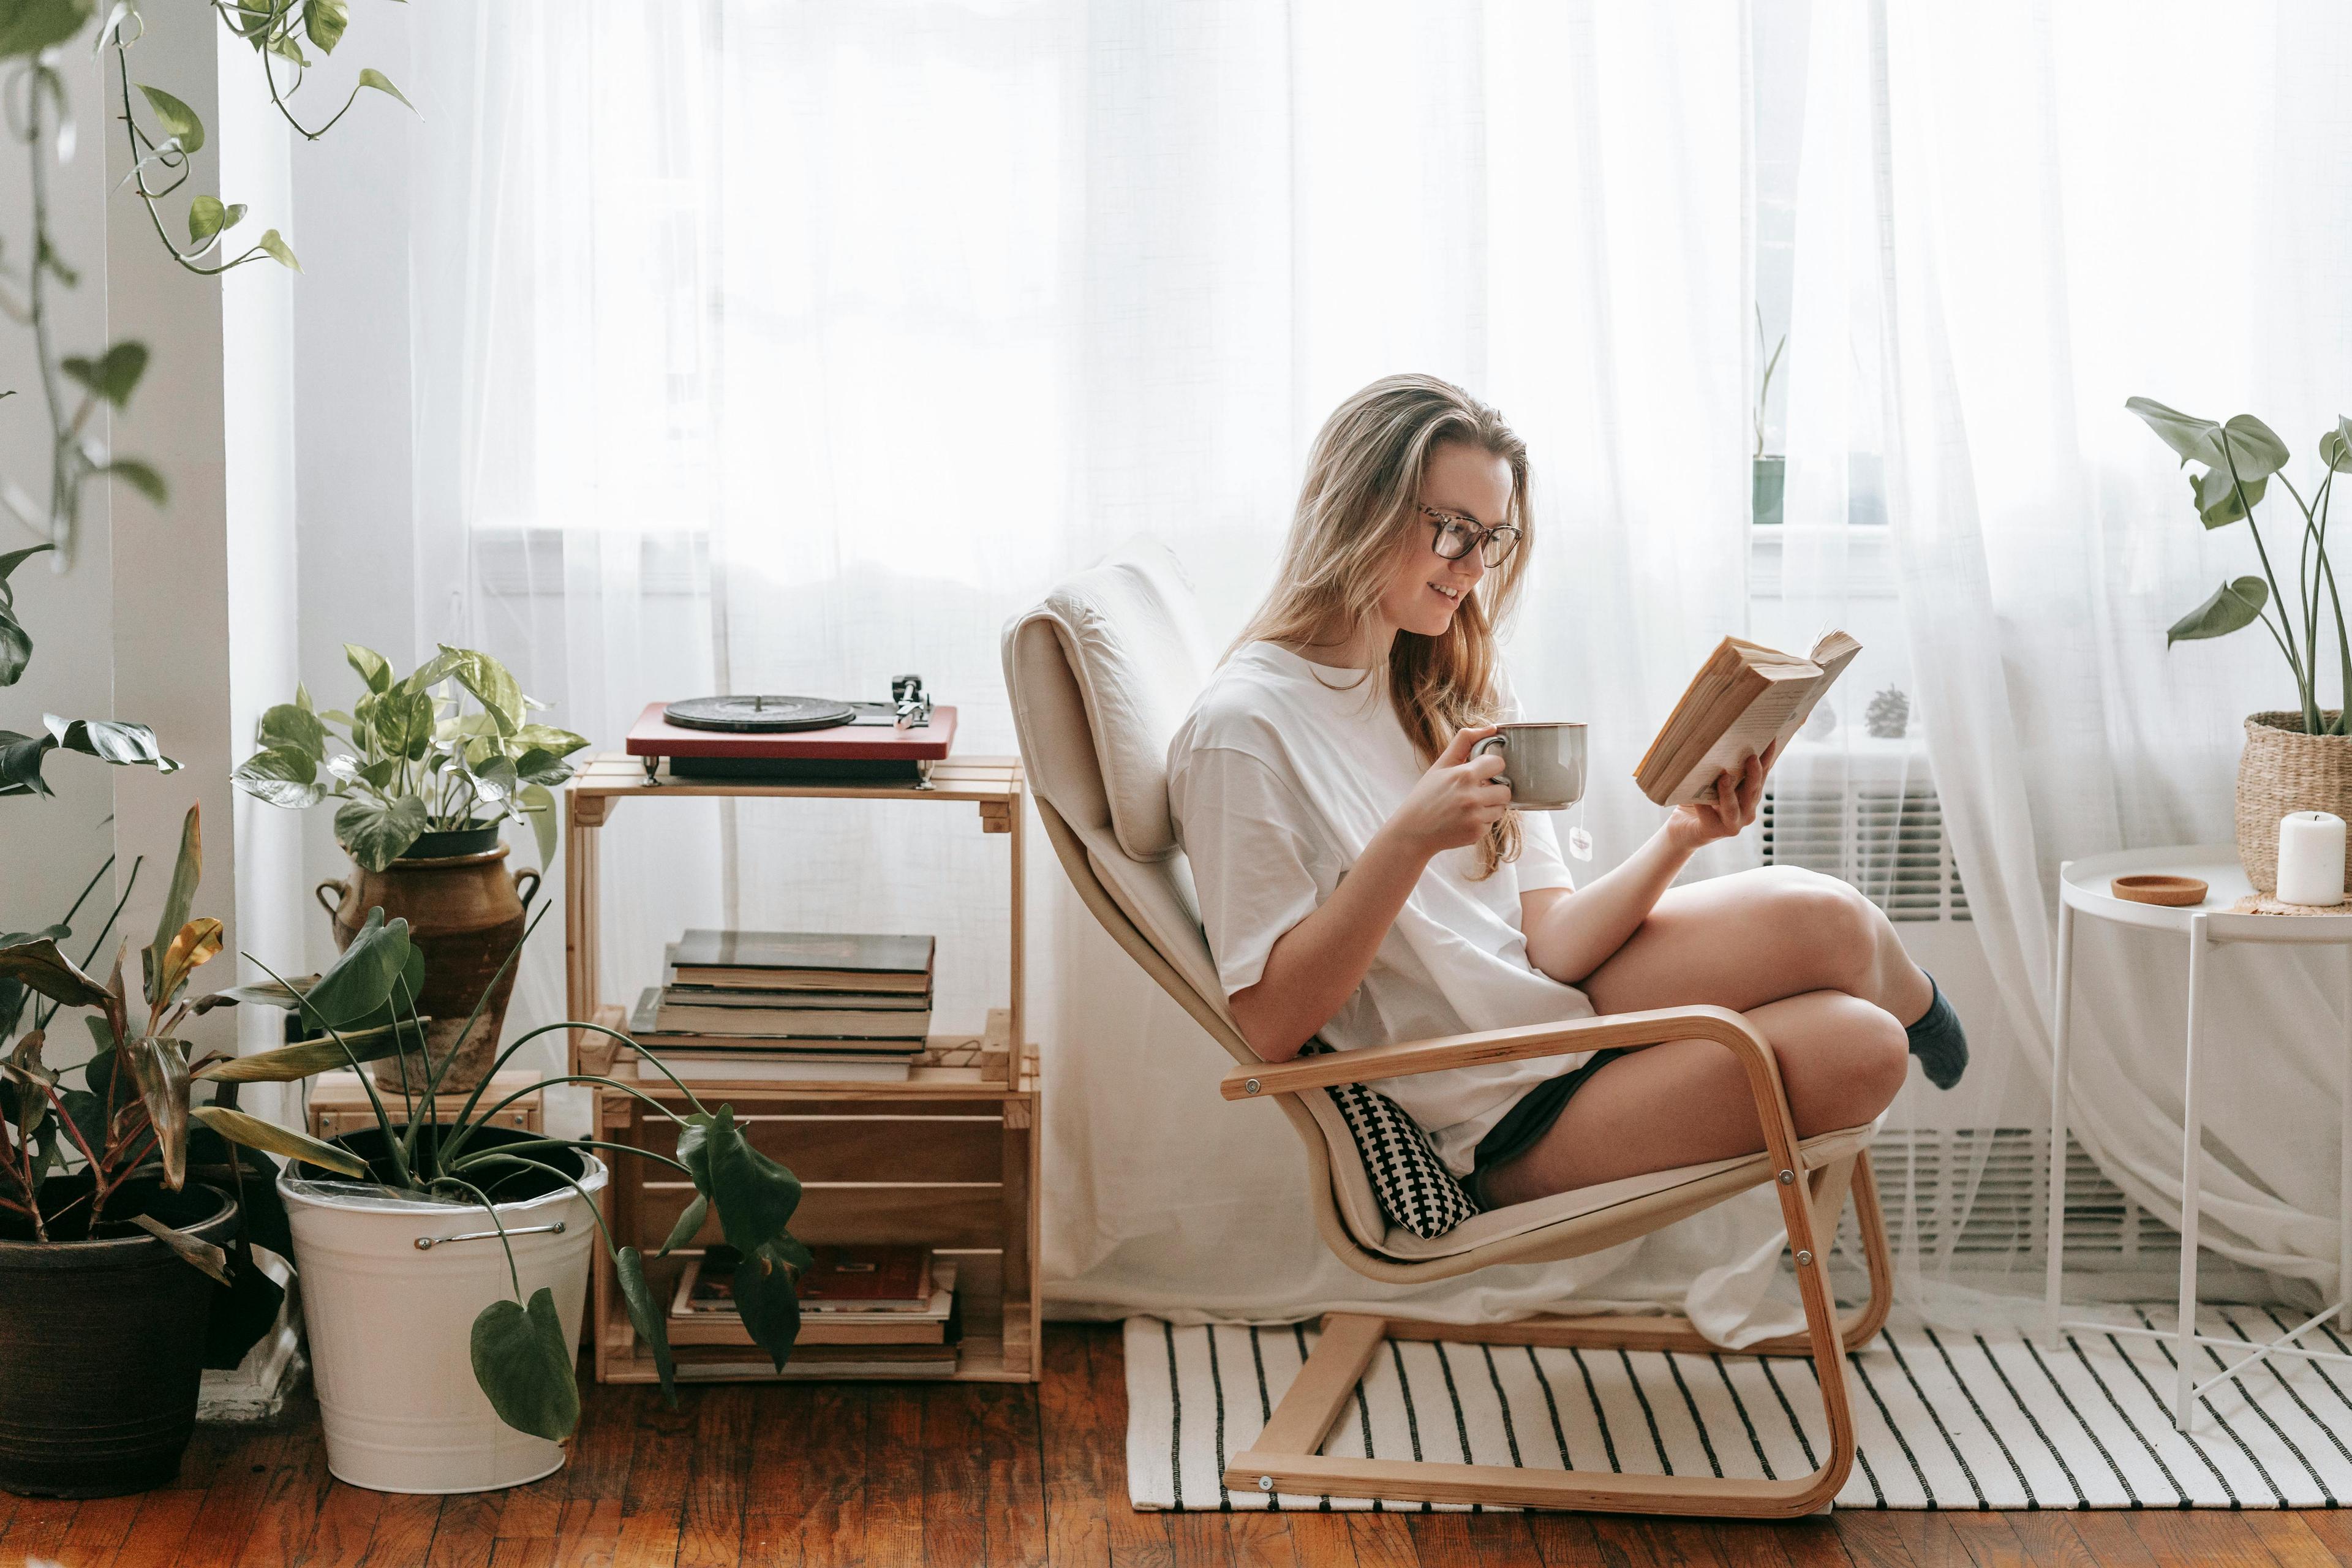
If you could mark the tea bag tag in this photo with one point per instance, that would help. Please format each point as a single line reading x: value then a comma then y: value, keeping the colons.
x: 1580, y: 842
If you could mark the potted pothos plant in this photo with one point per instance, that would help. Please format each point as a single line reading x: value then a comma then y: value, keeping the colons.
x: 2297, y: 758
x: 128, y: 1223
x: 444, y: 1262
x: 427, y: 766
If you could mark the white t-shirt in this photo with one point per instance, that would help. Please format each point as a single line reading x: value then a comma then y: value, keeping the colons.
x: 1279, y: 779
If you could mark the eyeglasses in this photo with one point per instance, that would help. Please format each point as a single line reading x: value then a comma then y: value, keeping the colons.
x: 1454, y: 537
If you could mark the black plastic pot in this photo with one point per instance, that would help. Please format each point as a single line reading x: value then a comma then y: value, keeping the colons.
x: 101, y: 1348
x: 469, y: 840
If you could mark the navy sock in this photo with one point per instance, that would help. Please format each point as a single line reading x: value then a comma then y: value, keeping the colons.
x: 1938, y: 1041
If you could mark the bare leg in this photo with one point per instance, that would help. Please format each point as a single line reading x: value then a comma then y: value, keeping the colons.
x: 1754, y: 937
x: 1841, y: 1060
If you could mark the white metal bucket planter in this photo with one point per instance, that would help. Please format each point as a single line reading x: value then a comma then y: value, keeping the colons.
x: 390, y: 1290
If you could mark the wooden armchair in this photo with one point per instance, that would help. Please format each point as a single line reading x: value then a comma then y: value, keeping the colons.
x: 1100, y: 674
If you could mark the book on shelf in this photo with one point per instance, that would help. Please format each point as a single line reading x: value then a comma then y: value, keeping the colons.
x: 803, y: 961
x: 645, y: 1024
x: 675, y: 1014
x: 798, y: 1001
x: 870, y: 1279
x: 752, y: 1066
x: 700, y: 1314
x: 1743, y: 698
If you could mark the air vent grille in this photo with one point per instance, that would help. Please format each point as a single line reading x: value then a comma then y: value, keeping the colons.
x: 1887, y: 841
x: 1922, y: 1173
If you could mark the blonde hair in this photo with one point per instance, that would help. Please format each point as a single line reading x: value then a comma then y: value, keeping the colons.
x: 1358, y: 508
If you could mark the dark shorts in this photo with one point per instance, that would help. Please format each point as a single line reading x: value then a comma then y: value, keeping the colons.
x: 1529, y: 1117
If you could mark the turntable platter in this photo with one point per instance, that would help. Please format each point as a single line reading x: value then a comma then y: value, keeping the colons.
x: 758, y: 715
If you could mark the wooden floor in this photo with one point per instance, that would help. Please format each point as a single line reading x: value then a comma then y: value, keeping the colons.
x: 957, y: 1475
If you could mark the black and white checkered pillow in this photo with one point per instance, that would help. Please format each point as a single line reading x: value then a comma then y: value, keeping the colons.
x: 1415, y: 1189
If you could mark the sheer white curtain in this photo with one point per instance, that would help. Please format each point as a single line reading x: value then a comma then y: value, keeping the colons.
x: 2013, y: 216
x: 792, y: 349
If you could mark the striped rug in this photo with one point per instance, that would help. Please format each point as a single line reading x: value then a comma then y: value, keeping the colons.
x: 1946, y: 1420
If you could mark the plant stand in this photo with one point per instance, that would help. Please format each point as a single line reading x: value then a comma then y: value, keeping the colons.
x: 948, y: 1159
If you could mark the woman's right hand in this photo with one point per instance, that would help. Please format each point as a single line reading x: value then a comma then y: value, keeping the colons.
x: 1456, y: 800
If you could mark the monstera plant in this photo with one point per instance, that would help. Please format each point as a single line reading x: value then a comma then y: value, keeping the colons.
x: 410, y: 757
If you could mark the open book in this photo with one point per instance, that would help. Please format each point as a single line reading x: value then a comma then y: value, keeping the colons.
x: 1744, y: 698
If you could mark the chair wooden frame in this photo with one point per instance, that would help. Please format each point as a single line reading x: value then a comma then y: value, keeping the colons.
x: 1287, y: 1456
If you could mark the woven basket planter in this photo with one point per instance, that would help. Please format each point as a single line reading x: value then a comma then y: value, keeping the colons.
x: 2286, y: 770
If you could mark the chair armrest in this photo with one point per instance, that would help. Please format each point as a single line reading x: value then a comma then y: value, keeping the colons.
x: 1624, y: 1031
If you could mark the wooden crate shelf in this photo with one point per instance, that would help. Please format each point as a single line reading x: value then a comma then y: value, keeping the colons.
x: 948, y: 1158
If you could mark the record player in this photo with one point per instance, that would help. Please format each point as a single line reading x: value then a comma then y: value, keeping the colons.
x: 797, y: 740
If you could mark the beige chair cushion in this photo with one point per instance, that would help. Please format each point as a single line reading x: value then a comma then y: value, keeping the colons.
x: 1135, y: 640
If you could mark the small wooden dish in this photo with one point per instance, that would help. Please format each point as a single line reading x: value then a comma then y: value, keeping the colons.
x: 2174, y: 891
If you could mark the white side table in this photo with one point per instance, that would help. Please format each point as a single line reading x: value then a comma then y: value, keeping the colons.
x: 2083, y: 890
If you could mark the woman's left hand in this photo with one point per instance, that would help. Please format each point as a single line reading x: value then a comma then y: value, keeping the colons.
x: 1737, y: 796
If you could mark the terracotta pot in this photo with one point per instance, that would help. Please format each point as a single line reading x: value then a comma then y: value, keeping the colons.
x: 101, y: 1350
x: 465, y: 914
x: 2282, y: 770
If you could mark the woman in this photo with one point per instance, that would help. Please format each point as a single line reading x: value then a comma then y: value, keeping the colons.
x: 1362, y: 878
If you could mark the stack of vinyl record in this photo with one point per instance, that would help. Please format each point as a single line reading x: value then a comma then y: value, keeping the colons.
x: 767, y: 1006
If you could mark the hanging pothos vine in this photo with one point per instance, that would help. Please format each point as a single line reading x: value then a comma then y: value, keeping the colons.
x: 163, y: 147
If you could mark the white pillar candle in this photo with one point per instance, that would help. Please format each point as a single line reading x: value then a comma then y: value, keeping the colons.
x: 2310, y: 858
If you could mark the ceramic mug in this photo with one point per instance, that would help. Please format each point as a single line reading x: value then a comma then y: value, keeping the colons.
x: 1543, y: 764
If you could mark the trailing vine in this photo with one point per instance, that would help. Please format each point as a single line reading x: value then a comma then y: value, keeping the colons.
x: 163, y: 146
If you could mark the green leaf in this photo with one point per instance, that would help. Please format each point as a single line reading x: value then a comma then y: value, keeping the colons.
x: 645, y: 1313
x: 207, y: 217
x: 160, y: 1068
x: 2254, y: 447
x: 376, y: 833
x: 294, y: 727
x: 371, y: 665
x: 252, y: 1132
x: 382, y: 83
x: 523, y: 1363
x: 324, y: 21
x: 360, y: 982
x: 755, y: 1198
x: 2234, y: 606
x: 282, y: 778
x: 202, y: 1254
x: 180, y: 121
x: 285, y: 1064
x: 274, y: 244
x: 178, y: 901
x: 547, y: 736
x: 2335, y: 447
x: 688, y: 1223
x: 538, y: 804
x: 764, y: 1296
x: 28, y: 26
x: 109, y: 741
x: 39, y: 965
x: 113, y: 375
x: 141, y: 477
x: 2197, y: 440
x: 492, y: 685
x: 754, y: 1195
